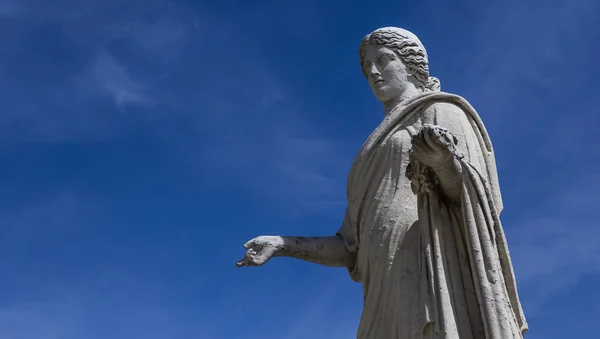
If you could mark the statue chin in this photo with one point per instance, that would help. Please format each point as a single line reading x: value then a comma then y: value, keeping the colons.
x: 389, y: 92
x: 384, y: 95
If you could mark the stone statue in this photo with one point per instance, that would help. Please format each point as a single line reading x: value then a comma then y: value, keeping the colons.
x: 421, y: 230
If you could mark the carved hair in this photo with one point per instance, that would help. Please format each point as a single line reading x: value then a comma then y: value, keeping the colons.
x: 410, y: 50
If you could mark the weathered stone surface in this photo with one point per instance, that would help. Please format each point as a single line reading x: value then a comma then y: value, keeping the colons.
x: 422, y: 231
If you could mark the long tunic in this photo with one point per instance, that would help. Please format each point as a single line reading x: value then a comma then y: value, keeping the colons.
x: 429, y: 268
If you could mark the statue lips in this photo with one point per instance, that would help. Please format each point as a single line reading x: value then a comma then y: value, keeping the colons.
x: 378, y: 82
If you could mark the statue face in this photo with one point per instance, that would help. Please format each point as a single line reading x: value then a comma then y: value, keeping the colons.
x: 386, y: 73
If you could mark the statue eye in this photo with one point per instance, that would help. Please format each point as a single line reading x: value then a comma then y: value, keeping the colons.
x: 383, y: 58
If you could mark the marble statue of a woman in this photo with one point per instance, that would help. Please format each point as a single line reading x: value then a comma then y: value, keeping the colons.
x: 421, y: 231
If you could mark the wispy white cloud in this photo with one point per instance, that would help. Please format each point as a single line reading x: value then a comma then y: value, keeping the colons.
x: 295, y: 302
x: 558, y: 244
x: 163, y: 39
x: 122, y: 59
x: 41, y: 320
x: 51, y: 299
x: 55, y: 215
x: 236, y: 99
x: 276, y: 163
x: 86, y: 311
x: 112, y: 78
x: 316, y: 317
x: 515, y: 51
x: 8, y: 7
x: 258, y: 132
x: 156, y: 43
x: 321, y: 306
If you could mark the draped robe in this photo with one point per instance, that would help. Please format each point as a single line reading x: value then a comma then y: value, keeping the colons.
x: 430, y: 268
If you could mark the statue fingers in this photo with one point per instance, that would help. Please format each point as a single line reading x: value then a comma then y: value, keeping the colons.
x: 434, y: 137
x: 432, y: 130
x: 250, y: 259
x: 441, y: 140
x: 428, y: 127
x: 249, y: 244
x: 258, y: 260
x: 253, y: 244
x: 244, y: 262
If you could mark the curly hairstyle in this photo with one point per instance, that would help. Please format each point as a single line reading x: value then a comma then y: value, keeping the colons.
x: 410, y: 50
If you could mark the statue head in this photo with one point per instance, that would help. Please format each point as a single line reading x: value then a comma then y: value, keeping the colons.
x: 394, y: 60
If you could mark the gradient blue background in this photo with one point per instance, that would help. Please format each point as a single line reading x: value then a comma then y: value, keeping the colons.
x: 142, y: 142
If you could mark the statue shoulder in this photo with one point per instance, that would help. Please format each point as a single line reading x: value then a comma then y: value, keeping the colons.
x: 443, y: 111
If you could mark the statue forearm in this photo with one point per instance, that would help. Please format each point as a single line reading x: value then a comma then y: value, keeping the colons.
x: 327, y: 251
x: 450, y: 179
x: 438, y: 149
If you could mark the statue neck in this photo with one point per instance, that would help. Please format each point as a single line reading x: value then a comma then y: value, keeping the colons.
x: 409, y: 92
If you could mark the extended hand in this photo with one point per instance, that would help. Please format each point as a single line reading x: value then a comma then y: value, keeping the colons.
x: 435, y: 146
x: 260, y: 250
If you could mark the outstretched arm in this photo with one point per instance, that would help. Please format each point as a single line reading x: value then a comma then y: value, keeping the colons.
x: 327, y: 251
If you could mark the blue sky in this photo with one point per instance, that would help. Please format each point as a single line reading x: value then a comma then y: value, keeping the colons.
x: 144, y: 141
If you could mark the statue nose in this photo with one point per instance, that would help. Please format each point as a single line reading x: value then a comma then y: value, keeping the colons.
x: 374, y: 72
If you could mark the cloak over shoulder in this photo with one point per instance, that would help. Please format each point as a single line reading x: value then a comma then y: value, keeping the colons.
x: 464, y: 250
